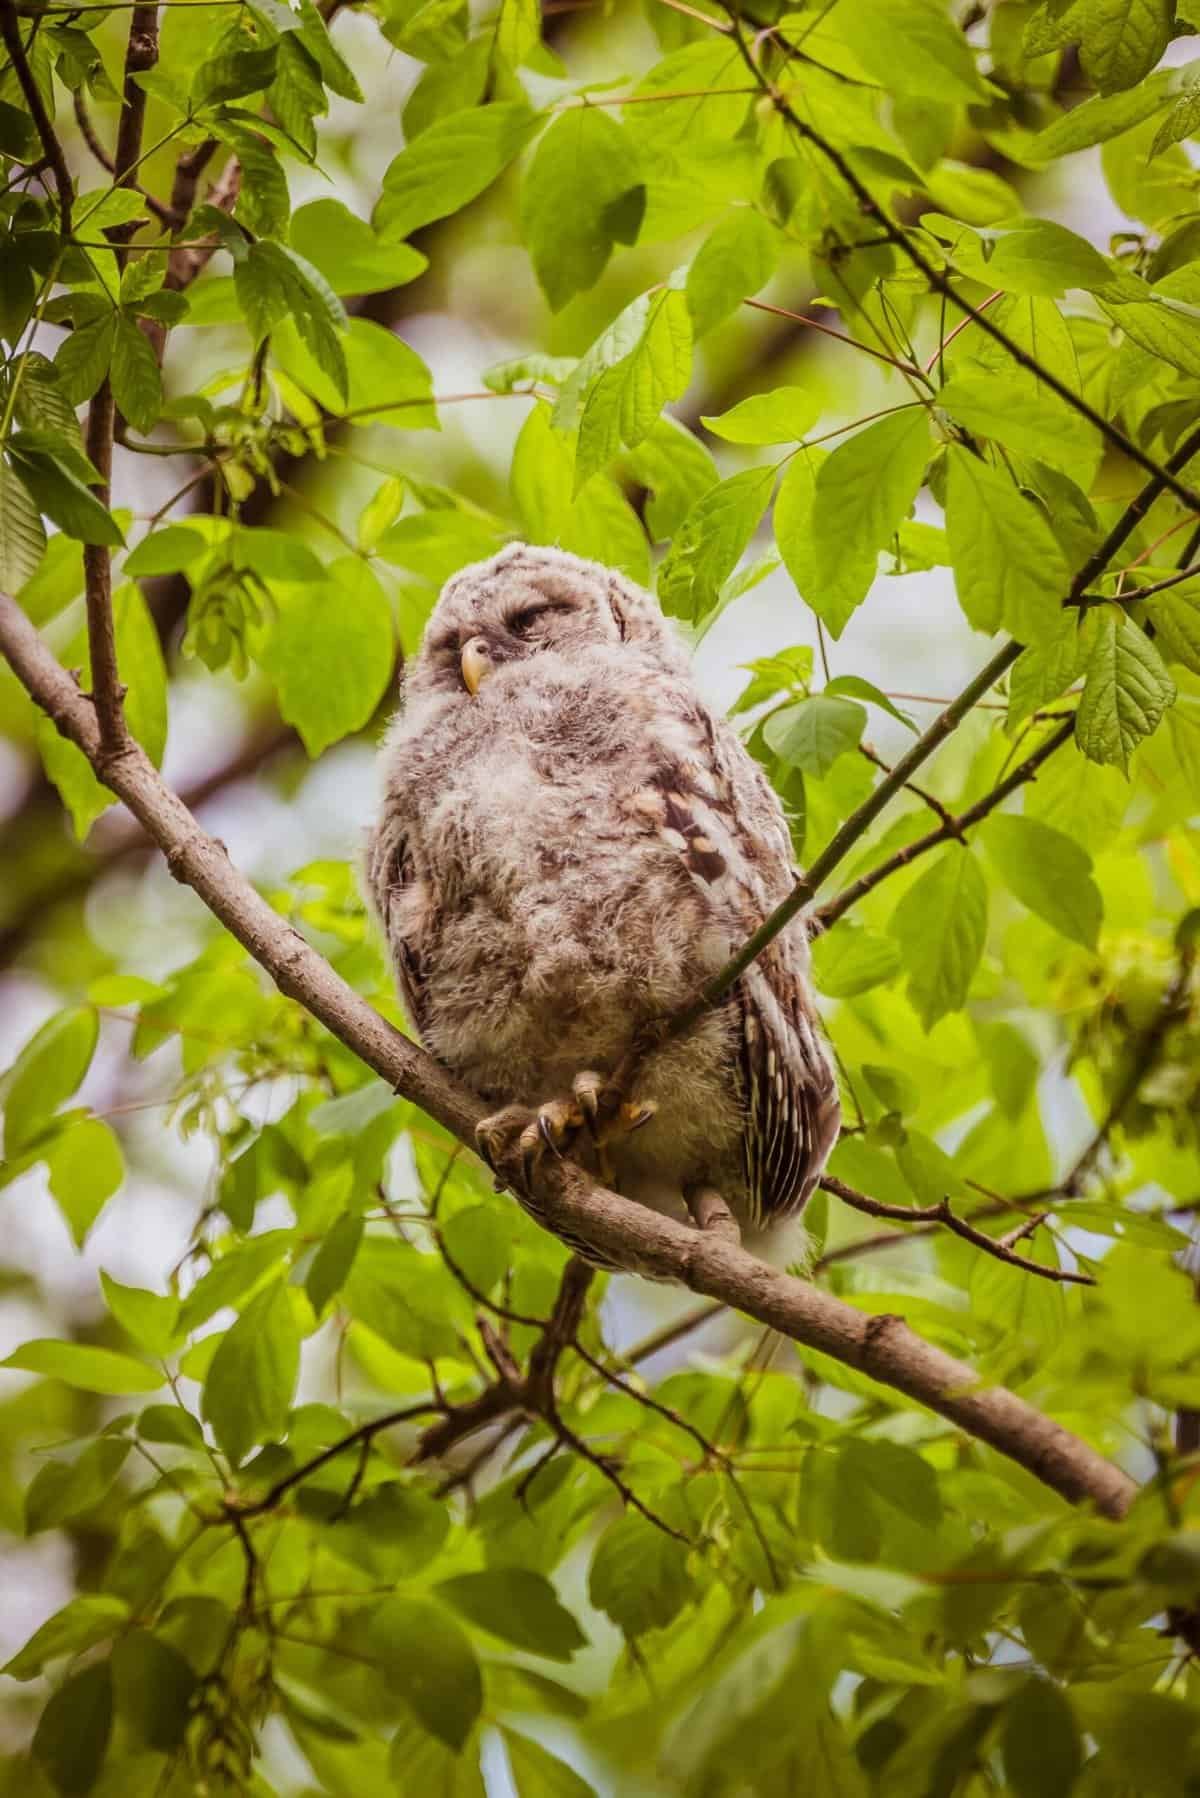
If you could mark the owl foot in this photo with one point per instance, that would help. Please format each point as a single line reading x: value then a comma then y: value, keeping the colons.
x: 711, y: 1214
x: 604, y: 1117
x: 521, y: 1135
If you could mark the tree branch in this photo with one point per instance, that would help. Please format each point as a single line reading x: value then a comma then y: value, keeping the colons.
x: 618, y: 1229
x: 10, y: 30
x: 108, y: 693
x: 828, y: 914
x: 91, y: 138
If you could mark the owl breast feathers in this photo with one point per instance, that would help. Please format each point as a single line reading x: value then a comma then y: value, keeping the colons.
x: 569, y: 845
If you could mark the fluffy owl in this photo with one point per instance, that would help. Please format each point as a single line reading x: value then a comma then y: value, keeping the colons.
x: 569, y: 845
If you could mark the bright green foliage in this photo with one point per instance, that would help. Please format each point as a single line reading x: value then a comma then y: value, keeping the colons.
x: 777, y: 312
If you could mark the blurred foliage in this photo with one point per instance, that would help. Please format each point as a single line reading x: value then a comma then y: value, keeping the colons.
x: 757, y: 1572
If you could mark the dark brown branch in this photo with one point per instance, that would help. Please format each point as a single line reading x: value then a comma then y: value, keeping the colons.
x: 10, y: 30
x: 943, y: 812
x: 999, y: 1248
x: 1135, y: 593
x: 91, y: 138
x: 108, y: 692
x: 617, y: 1229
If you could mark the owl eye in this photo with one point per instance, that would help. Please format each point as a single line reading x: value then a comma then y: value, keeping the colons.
x: 521, y: 623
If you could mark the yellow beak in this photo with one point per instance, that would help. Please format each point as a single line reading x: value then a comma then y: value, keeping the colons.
x: 476, y: 664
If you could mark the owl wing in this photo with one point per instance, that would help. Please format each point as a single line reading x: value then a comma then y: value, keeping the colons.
x: 714, y: 808
x: 391, y: 883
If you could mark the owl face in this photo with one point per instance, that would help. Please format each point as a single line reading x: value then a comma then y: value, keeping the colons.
x: 525, y: 602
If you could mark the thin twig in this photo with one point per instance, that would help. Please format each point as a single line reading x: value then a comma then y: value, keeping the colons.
x: 91, y: 138
x: 10, y: 30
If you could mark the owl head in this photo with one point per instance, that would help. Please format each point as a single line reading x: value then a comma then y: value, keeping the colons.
x: 530, y: 601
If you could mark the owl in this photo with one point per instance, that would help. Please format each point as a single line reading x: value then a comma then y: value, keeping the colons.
x: 569, y: 845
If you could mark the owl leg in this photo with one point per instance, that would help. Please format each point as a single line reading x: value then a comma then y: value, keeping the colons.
x: 711, y: 1214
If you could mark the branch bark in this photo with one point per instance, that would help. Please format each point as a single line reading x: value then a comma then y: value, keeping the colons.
x: 618, y: 1229
x: 10, y: 30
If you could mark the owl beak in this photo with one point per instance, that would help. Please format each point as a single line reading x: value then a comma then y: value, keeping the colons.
x: 477, y: 664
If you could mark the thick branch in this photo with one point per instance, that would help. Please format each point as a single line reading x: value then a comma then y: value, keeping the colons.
x: 10, y: 30
x: 620, y: 1230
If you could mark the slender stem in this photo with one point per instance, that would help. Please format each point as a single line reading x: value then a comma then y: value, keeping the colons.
x: 1134, y: 593
x: 816, y: 324
x: 833, y: 909
x: 10, y: 30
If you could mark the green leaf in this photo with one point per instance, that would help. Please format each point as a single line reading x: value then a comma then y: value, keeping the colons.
x: 1047, y: 872
x: 856, y: 687
x: 62, y: 496
x: 426, y: 1657
x: 393, y: 1533
x: 419, y: 1762
x: 784, y: 415
x: 166, y: 551
x: 151, y: 1318
x: 848, y: 960
x: 624, y: 405
x: 813, y: 733
x: 153, y: 1687
x: 85, y: 1167
x: 579, y: 197
x: 136, y: 382
x: 1166, y: 322
x: 518, y: 30
x: 517, y: 1605
x: 1041, y: 1747
x: 451, y: 163
x: 479, y: 1243
x: 940, y: 925
x: 1101, y: 118
x: 22, y: 533
x: 639, y: 1576
x: 274, y: 283
x: 1122, y: 40
x: 678, y: 471
x: 863, y: 491
x: 233, y: 74
x: 1035, y: 258
x: 537, y: 1773
x: 711, y: 541
x: 1176, y: 619
x: 89, y: 1369
x: 735, y: 261
x: 394, y: 1292
x: 915, y: 47
x: 833, y: 594
x: 388, y: 383
x: 333, y: 1261
x: 1039, y: 425
x: 331, y: 652
x: 48, y: 1070
x: 347, y: 252
x: 61, y: 1490
x: 71, y: 1739
x: 83, y: 358
x: 248, y: 1391
x: 1008, y: 568
x: 1126, y: 689
x: 78, y: 1625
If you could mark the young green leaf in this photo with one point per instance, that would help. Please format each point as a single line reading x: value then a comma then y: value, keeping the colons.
x: 639, y: 1576
x: 450, y: 163
x: 426, y: 1656
x: 735, y: 261
x: 710, y: 542
x: 834, y: 594
x: 623, y: 406
x: 539, y: 1774
x: 1126, y: 689
x: 150, y: 1318
x: 331, y: 652
x: 940, y: 925
x: 783, y: 415
x: 85, y: 1168
x: 863, y: 491
x: 136, y: 382
x: 1047, y: 872
x: 1039, y: 425
x: 249, y: 1387
x: 849, y: 960
x: 1008, y: 568
x: 90, y: 1369
x: 78, y: 1625
x: 22, y: 533
x: 517, y: 1605
x: 1122, y: 40
x: 1176, y: 619
x: 47, y: 1071
x: 813, y: 733
x: 579, y: 197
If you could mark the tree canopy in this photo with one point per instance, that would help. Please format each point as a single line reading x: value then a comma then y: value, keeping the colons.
x: 859, y: 321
